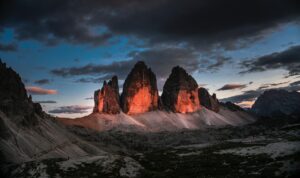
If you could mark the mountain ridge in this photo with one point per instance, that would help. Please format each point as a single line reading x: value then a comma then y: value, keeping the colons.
x: 277, y: 103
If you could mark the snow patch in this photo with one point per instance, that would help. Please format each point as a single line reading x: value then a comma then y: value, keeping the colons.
x: 201, y: 145
x: 250, y: 140
x: 189, y: 153
x: 275, y: 150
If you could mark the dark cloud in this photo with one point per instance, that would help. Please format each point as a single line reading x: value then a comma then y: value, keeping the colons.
x: 232, y: 87
x: 51, y: 21
x: 268, y: 85
x: 89, y: 98
x: 93, y: 80
x: 74, y: 109
x: 229, y: 23
x: 163, y: 60
x: 89, y: 80
x: 220, y: 62
x: 246, y: 96
x: 160, y: 60
x: 288, y: 60
x: 276, y: 84
x: 8, y: 47
x: 42, y: 81
x: 46, y: 102
x: 295, y: 83
x: 93, y: 69
x: 251, y: 95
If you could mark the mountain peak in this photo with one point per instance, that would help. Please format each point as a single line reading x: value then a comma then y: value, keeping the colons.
x: 178, y: 69
x: 107, y: 100
x: 140, y: 92
x: 140, y: 64
x: 11, y: 84
x: 180, y: 92
x: 276, y: 102
x: 13, y: 97
x: 208, y: 101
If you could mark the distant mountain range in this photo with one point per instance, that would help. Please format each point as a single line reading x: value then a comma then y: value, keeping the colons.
x: 277, y: 103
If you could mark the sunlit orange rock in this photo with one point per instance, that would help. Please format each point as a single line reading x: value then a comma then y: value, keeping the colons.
x: 107, y: 99
x: 140, y: 92
x: 180, y: 92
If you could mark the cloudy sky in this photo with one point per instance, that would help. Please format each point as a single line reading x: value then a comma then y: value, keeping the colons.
x: 64, y: 50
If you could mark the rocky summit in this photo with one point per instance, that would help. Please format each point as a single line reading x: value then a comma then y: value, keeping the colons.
x: 277, y: 103
x: 107, y: 100
x: 14, y: 99
x: 140, y: 92
x: 180, y: 92
x: 208, y: 101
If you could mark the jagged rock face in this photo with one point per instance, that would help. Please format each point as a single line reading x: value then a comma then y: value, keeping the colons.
x: 13, y: 97
x: 277, y: 103
x: 208, y: 101
x: 11, y: 86
x: 107, y: 99
x: 140, y: 92
x: 180, y: 92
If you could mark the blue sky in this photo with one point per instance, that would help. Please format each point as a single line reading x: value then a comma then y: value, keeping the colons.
x: 34, y: 60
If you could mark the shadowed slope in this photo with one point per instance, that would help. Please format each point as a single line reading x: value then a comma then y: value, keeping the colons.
x: 157, y: 121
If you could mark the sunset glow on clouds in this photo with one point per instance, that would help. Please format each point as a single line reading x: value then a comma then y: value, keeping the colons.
x: 232, y: 87
x: 246, y: 104
x: 40, y: 91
